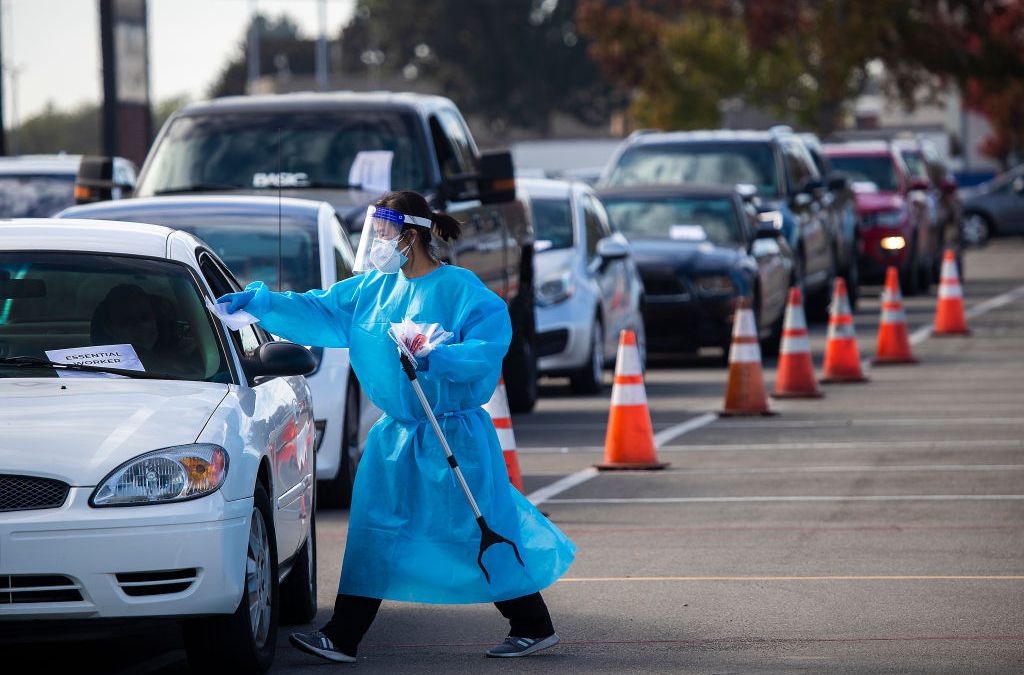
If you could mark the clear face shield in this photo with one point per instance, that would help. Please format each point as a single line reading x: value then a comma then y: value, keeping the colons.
x: 380, y: 245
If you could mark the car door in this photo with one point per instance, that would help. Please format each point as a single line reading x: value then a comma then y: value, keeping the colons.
x: 813, y: 212
x: 281, y: 421
x: 611, y: 276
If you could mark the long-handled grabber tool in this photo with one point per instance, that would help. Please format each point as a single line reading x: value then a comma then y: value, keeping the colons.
x: 488, y: 537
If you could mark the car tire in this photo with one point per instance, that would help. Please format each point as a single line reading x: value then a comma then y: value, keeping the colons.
x: 977, y: 229
x: 298, y: 591
x: 337, y: 492
x: 852, y: 279
x: 773, y: 342
x: 590, y: 378
x: 521, y: 375
x: 911, y: 276
x: 232, y: 643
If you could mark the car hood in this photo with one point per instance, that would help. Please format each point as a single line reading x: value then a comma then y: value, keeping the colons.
x: 683, y: 255
x: 871, y: 202
x: 81, y: 429
x: 552, y: 262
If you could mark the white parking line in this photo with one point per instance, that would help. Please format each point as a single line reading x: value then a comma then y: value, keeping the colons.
x: 663, y: 437
x: 1000, y: 444
x: 846, y: 469
x: 788, y: 498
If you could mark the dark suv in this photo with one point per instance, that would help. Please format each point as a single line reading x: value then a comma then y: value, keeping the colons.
x: 775, y: 164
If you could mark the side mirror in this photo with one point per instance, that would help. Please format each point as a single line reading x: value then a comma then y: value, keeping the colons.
x: 812, y: 185
x: 837, y: 182
x: 610, y: 248
x: 277, y: 359
x: 769, y: 225
x: 919, y: 183
x: 497, y: 177
x: 95, y: 181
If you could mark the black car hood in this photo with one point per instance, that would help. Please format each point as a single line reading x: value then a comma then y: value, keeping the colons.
x: 684, y: 256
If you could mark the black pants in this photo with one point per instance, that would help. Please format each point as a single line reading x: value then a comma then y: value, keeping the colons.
x: 528, y: 617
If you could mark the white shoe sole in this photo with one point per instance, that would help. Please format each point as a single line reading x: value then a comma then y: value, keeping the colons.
x: 337, y: 657
x: 536, y: 647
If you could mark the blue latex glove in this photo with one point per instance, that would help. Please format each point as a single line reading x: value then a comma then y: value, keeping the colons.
x: 237, y: 301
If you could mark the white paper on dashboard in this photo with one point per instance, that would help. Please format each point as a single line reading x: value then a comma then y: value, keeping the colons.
x: 239, y: 319
x: 371, y: 170
x: 687, y: 232
x: 103, y: 356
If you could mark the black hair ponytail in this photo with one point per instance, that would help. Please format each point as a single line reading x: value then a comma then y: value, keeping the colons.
x: 445, y: 226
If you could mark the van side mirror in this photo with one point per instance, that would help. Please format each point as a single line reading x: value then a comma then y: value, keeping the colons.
x: 95, y: 181
x: 497, y: 177
x: 280, y: 359
x: 610, y: 248
x: 837, y: 182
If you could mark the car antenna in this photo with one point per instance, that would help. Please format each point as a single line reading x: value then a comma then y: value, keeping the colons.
x: 280, y: 266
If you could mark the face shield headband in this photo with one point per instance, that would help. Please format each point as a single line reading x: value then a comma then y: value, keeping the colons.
x: 378, y: 242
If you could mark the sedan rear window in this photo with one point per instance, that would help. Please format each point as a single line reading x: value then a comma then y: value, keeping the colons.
x: 694, y: 219
x: 699, y: 162
x: 74, y: 301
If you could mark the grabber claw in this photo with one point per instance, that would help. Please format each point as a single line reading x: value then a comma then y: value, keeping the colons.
x: 488, y: 538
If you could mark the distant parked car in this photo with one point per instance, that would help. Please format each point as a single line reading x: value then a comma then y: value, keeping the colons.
x: 775, y: 162
x: 168, y: 472
x: 587, y: 286
x: 38, y: 186
x: 897, y: 224
x: 315, y: 253
x: 844, y: 230
x: 700, y: 249
x: 995, y: 207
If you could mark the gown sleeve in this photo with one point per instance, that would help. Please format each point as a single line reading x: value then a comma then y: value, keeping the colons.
x: 320, y: 318
x: 486, y: 333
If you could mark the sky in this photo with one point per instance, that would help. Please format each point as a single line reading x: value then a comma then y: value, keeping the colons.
x: 54, y: 46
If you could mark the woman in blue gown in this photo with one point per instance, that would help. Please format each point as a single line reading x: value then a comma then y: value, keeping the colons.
x: 411, y: 534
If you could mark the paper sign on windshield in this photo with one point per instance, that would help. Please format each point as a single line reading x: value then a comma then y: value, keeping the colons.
x: 371, y: 170
x: 103, y: 356
x: 687, y: 233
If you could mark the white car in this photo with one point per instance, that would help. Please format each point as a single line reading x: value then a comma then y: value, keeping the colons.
x: 183, y: 488
x: 588, y: 289
x: 315, y: 253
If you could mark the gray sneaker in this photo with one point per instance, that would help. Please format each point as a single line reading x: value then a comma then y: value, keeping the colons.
x: 517, y: 646
x: 318, y: 644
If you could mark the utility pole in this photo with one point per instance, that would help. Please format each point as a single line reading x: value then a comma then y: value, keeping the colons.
x: 321, y: 49
x: 253, y: 51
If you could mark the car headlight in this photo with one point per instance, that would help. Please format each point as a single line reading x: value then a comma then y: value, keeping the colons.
x: 555, y: 290
x: 172, y: 474
x: 719, y: 284
x: 887, y: 218
x: 893, y: 243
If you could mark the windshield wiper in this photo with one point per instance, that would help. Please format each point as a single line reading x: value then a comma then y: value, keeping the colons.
x: 197, y: 187
x: 33, y: 362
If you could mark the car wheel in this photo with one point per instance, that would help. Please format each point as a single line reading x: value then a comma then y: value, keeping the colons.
x: 521, y: 376
x: 589, y: 378
x: 243, y: 642
x: 852, y: 279
x: 773, y: 342
x: 977, y: 229
x: 337, y: 492
x: 298, y: 592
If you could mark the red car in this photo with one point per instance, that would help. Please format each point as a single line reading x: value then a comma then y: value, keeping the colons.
x: 898, y: 224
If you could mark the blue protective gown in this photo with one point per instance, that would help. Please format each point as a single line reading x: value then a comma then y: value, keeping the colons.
x: 412, y: 535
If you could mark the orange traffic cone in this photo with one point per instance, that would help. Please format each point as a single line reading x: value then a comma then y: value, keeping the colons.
x: 893, y: 341
x: 842, y: 358
x: 497, y: 408
x: 949, y: 313
x: 744, y: 393
x: 629, y: 443
x: 795, y: 374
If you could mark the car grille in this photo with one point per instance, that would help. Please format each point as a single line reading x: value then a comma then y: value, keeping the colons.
x: 163, y: 582
x: 552, y: 342
x: 662, y: 283
x: 20, y: 493
x: 35, y: 588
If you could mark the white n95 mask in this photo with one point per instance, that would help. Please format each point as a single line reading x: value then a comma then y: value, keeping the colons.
x: 385, y: 256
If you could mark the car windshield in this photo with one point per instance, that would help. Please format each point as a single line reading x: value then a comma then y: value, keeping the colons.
x: 877, y: 169
x: 694, y: 219
x: 35, y: 196
x: 240, y: 150
x: 552, y: 221
x: 699, y: 162
x: 246, y: 242
x: 84, y: 307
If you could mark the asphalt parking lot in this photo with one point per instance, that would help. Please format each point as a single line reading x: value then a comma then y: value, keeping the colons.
x: 877, y: 530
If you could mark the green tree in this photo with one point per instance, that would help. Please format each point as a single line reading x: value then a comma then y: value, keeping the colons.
x: 280, y: 47
x: 75, y: 131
